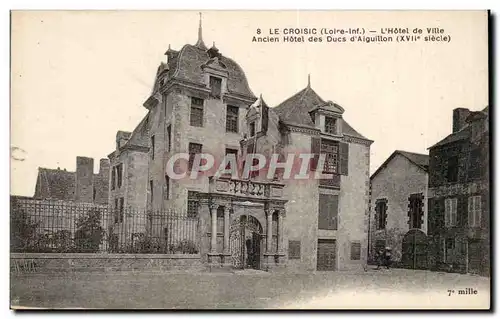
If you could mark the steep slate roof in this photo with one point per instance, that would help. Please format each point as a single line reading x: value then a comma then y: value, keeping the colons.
x: 139, y: 136
x: 186, y: 65
x: 295, y: 110
x: 420, y: 160
x: 58, y: 184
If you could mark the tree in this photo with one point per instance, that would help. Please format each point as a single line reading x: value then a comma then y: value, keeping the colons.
x: 23, y: 230
x: 89, y: 233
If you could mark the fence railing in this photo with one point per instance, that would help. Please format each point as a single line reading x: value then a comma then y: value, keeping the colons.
x: 66, y: 227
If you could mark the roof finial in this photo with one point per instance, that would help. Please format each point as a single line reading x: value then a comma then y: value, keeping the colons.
x: 309, y: 80
x: 200, y: 43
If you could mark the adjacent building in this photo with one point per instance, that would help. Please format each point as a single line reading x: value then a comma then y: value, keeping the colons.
x: 82, y: 186
x: 459, y: 208
x: 398, y: 207
x: 201, y: 102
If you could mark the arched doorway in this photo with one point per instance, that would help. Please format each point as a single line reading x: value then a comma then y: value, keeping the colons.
x: 245, y: 242
x: 414, y: 249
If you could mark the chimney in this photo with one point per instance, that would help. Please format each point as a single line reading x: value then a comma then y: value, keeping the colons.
x: 459, y: 116
x: 84, y: 179
x: 104, y: 167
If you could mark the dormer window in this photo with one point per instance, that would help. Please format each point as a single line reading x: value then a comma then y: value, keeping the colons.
x: 216, y: 86
x: 330, y: 125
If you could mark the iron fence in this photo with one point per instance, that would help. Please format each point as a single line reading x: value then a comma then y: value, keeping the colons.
x: 64, y: 227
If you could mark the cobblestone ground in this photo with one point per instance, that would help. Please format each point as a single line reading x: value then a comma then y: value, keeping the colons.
x: 395, y: 288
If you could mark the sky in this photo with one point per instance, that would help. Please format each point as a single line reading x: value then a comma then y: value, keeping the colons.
x: 78, y: 77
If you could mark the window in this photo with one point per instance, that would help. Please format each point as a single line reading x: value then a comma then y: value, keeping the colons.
x: 330, y: 125
x: 232, y: 119
x: 355, y: 251
x: 151, y: 191
x: 194, y: 149
x: 113, y: 178
x: 167, y: 187
x: 220, y: 220
x: 450, y: 212
x: 294, y: 249
x: 231, y: 151
x: 192, y: 205
x: 169, y: 136
x: 93, y: 193
x: 215, y: 85
x: 328, y: 211
x: 474, y: 164
x: 331, y: 151
x: 117, y: 212
x: 416, y: 210
x: 474, y: 211
x: 252, y: 129
x: 452, y: 169
x: 153, y: 147
x: 119, y: 174
x: 121, y: 209
x: 196, y: 116
x: 381, y: 213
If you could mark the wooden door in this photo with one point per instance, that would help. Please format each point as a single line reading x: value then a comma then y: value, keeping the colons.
x: 327, y: 254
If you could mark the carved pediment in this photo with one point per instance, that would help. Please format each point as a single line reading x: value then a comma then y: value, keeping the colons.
x: 215, y: 63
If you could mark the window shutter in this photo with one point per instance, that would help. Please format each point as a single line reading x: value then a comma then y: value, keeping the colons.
x: 333, y: 211
x: 477, y: 211
x: 454, y: 212
x: 323, y: 209
x: 315, y: 149
x: 344, y: 158
x: 447, y: 204
x: 470, y: 210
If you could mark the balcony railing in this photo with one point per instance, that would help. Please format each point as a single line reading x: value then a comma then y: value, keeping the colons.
x: 245, y: 188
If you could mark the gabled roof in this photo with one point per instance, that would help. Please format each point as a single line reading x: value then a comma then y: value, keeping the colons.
x: 139, y: 136
x: 57, y: 184
x: 417, y: 159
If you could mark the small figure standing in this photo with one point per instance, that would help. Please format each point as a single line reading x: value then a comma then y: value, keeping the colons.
x: 380, y: 258
x: 387, y: 257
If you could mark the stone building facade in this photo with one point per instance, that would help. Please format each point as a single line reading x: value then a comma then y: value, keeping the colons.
x: 201, y: 103
x: 459, y: 208
x: 82, y: 186
x: 398, y: 206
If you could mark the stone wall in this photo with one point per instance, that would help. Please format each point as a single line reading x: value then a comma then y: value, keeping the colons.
x: 46, y: 263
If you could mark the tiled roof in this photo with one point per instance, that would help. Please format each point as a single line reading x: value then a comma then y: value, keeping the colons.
x: 186, y: 65
x: 420, y: 160
x: 56, y: 184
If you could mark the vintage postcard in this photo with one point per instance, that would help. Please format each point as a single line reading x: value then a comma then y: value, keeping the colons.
x: 250, y: 160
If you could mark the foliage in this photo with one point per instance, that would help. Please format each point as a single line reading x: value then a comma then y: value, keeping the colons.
x: 23, y: 230
x: 89, y: 233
